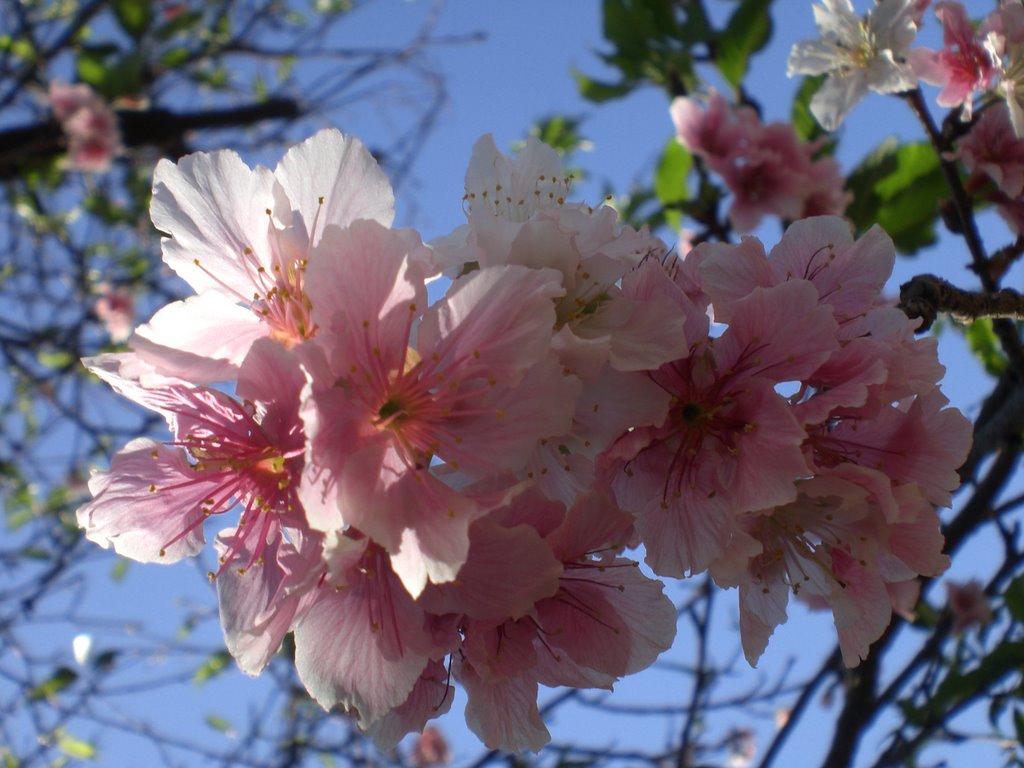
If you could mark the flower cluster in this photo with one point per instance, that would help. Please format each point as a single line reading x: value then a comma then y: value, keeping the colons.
x: 768, y: 170
x: 873, y: 53
x: 90, y: 126
x: 438, y: 491
x: 993, y: 155
x: 806, y: 444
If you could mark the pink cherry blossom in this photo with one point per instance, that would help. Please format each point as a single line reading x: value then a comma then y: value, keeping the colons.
x: 152, y: 503
x: 477, y: 389
x: 832, y: 546
x: 431, y: 749
x: 848, y: 275
x: 115, y: 308
x: 363, y: 643
x: 242, y: 238
x: 993, y: 152
x: 605, y: 620
x: 968, y: 604
x: 731, y: 443
x: 519, y: 214
x: 766, y: 168
x: 963, y: 67
x: 91, y: 128
x: 259, y: 603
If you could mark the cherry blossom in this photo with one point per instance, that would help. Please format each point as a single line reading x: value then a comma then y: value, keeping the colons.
x: 242, y: 238
x: 766, y: 167
x: 476, y: 390
x: 152, y: 503
x: 1003, y: 31
x: 430, y: 491
x: 963, y: 67
x: 857, y: 54
x: 93, y: 135
x: 731, y: 442
x: 115, y: 308
x: 968, y: 604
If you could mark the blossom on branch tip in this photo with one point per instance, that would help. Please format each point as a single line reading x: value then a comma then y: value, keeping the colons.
x: 963, y: 67
x: 768, y: 170
x: 858, y: 55
x: 91, y: 128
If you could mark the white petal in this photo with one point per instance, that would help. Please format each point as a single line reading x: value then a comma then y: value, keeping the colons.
x: 214, y: 207
x: 341, y: 170
x: 836, y: 97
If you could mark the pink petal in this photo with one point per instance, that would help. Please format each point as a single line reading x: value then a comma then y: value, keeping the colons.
x: 431, y: 697
x: 498, y: 319
x: 780, y: 333
x: 148, y: 506
x: 202, y: 339
x: 506, y: 572
x: 259, y: 603
x: 504, y: 714
x: 345, y: 658
x: 861, y: 607
x: 366, y: 322
x: 762, y: 609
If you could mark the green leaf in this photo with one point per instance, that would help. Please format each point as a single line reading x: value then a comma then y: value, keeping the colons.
x: 561, y: 133
x: 134, y: 16
x: 599, y: 92
x: 748, y: 31
x: 61, y: 679
x: 670, y: 176
x: 1018, y: 724
x: 804, y: 123
x: 215, y: 665
x: 175, y: 58
x: 1014, y: 598
x: 183, y: 22
x: 218, y: 723
x: 925, y: 615
x: 981, y: 338
x: 92, y: 67
x: 108, y: 75
x: 120, y: 569
x: 670, y: 181
x: 18, y: 47
x: 958, y: 689
x: 899, y: 188
x: 58, y: 359
x: 75, y: 748
x: 9, y: 760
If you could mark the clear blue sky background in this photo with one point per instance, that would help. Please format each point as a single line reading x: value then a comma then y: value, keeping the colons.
x: 521, y: 73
